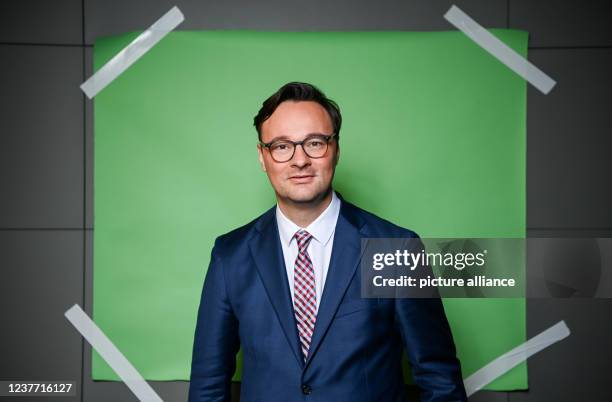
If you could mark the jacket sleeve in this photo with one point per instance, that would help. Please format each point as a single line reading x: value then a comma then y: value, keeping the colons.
x: 216, y: 339
x: 429, y: 344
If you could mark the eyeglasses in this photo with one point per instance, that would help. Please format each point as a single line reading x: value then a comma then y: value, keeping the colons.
x: 314, y: 146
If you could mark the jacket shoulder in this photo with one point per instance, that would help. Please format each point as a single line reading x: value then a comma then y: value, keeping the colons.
x: 377, y: 226
x: 228, y: 241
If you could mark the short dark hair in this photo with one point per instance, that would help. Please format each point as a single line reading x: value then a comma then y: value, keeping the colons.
x: 298, y: 91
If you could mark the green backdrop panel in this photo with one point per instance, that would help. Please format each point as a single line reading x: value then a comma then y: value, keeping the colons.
x: 433, y: 139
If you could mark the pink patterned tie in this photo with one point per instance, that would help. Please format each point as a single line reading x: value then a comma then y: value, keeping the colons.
x: 304, y: 293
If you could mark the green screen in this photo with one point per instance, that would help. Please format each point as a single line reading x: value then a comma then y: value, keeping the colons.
x: 433, y: 139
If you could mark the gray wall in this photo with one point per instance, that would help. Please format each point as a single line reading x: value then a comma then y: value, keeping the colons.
x: 46, y: 134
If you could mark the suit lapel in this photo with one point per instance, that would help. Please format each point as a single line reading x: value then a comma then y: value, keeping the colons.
x: 267, y: 253
x: 345, y: 257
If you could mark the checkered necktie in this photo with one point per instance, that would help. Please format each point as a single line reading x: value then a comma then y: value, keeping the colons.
x: 304, y: 293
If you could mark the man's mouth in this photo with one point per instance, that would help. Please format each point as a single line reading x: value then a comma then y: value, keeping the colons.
x: 301, y: 178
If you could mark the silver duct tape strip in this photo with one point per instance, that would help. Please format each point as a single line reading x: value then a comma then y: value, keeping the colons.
x: 132, y: 52
x: 514, y: 357
x: 100, y: 342
x: 499, y: 50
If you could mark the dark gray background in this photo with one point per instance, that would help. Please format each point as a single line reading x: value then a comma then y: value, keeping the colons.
x: 46, y: 212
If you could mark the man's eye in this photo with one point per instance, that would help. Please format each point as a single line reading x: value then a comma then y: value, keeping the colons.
x: 280, y: 147
x: 315, y: 144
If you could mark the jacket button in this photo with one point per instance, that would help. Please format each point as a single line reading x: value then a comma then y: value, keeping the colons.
x: 306, y: 390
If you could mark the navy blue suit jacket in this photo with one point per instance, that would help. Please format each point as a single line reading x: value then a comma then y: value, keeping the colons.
x: 356, y: 349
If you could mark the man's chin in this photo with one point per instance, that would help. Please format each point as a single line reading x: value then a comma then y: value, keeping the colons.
x: 302, y: 198
x: 305, y: 197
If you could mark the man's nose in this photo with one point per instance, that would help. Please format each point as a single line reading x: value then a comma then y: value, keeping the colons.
x: 300, y: 158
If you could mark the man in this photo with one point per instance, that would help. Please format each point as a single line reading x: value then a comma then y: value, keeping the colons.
x: 286, y: 286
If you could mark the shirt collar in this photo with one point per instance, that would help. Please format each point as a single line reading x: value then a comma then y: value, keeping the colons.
x: 321, y: 228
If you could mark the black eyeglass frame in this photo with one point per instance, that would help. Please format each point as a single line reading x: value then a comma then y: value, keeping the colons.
x: 326, y: 137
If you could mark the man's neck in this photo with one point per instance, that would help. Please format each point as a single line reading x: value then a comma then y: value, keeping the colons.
x: 303, y: 214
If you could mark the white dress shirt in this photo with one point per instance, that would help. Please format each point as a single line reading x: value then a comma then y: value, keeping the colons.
x: 320, y: 247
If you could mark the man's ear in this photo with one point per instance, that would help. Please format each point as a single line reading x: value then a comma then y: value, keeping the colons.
x: 337, y: 154
x: 260, y: 156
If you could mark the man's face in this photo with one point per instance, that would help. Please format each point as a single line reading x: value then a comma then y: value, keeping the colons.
x: 301, y: 179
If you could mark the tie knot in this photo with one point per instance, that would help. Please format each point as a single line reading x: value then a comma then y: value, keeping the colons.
x: 303, y: 239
